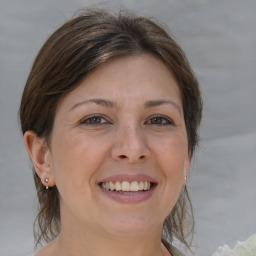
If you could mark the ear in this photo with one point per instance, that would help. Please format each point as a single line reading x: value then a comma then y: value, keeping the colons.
x: 186, y: 168
x: 40, y: 156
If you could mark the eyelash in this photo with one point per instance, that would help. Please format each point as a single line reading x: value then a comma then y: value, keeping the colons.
x: 93, y: 120
x: 97, y: 120
x: 160, y: 118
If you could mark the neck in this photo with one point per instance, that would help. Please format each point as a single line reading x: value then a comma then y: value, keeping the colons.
x: 108, y: 248
x: 91, y: 243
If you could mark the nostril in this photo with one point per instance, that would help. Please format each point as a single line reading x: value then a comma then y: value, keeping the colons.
x: 124, y: 156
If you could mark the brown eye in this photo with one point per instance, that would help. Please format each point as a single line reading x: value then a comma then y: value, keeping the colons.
x: 94, y: 120
x: 159, y: 120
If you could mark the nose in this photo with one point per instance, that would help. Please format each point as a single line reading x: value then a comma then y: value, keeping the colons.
x: 130, y: 145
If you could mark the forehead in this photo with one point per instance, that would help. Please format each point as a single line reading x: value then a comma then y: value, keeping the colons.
x: 128, y: 79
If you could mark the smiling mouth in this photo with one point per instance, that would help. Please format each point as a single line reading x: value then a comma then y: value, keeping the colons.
x: 127, y: 187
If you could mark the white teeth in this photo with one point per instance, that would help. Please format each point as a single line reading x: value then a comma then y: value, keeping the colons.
x: 133, y: 186
x: 125, y: 186
x: 118, y: 186
x: 111, y: 186
x: 141, y: 185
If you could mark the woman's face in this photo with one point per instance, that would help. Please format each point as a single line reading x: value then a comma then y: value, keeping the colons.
x: 119, y: 148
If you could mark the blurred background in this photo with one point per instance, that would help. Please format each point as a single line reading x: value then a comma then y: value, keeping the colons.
x: 219, y: 38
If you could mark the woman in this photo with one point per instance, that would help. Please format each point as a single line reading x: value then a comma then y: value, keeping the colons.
x: 110, y: 113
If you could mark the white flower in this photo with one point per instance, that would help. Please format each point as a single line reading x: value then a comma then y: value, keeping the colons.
x: 246, y: 248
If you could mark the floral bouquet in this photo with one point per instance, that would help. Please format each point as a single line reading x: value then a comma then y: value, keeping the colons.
x: 246, y: 248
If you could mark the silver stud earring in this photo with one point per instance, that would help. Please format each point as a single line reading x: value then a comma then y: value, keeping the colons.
x: 186, y: 174
x: 46, y: 180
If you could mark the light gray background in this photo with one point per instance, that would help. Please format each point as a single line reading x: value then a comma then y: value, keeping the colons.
x: 219, y: 38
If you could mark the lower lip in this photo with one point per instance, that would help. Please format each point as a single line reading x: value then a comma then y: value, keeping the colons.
x: 129, y: 198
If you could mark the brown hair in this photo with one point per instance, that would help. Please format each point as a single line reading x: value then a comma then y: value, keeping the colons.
x: 74, y: 50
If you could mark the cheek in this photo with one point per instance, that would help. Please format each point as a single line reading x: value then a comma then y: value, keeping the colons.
x: 73, y: 166
x: 171, y: 157
x: 69, y: 158
x: 173, y: 149
x: 75, y: 161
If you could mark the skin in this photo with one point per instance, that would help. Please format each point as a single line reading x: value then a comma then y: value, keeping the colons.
x: 124, y: 139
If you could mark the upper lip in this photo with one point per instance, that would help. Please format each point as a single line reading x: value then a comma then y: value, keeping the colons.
x: 129, y: 178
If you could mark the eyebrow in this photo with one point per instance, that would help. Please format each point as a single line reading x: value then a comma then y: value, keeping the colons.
x: 102, y: 102
x: 111, y: 104
x: 156, y: 103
